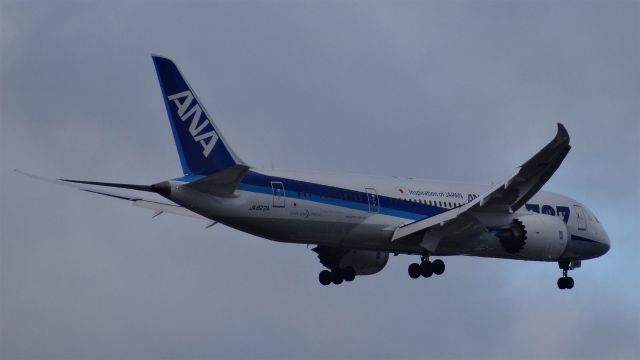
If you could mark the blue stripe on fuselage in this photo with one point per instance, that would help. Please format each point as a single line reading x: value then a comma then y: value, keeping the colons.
x: 331, y: 195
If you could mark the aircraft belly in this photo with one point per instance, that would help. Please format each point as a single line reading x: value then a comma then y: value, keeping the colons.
x: 296, y: 230
x: 305, y: 222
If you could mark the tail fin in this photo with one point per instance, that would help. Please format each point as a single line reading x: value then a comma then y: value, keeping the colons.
x: 201, y: 146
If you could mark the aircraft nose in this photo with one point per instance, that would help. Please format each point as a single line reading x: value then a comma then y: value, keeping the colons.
x: 601, y: 245
x: 598, y: 247
x: 605, y: 243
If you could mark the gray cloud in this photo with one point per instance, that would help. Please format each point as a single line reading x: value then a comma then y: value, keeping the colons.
x: 460, y: 91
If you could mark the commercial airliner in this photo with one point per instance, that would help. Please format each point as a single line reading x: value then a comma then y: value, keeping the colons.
x: 354, y: 222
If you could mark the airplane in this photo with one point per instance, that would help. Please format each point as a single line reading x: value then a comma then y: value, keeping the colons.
x: 355, y: 222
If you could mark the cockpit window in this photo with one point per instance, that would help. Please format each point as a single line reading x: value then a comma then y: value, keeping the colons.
x: 593, y: 216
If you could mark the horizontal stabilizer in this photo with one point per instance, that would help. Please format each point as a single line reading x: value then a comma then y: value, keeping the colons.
x: 146, y: 188
x: 222, y: 183
x: 160, y: 208
x: 148, y: 203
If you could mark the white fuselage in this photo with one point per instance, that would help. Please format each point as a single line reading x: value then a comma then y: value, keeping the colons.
x: 362, y: 212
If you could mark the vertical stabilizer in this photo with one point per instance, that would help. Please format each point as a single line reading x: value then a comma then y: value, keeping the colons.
x: 201, y: 146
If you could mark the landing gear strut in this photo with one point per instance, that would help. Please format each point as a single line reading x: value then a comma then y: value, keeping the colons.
x: 426, y: 268
x: 337, y: 276
x: 566, y: 282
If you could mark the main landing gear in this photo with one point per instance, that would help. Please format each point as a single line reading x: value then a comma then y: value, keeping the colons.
x: 566, y: 282
x: 426, y: 268
x: 337, y: 276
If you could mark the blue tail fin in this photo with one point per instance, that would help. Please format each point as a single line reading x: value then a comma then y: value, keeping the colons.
x: 200, y: 144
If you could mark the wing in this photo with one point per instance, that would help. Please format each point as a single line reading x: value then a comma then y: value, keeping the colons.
x: 145, y: 202
x: 507, y: 197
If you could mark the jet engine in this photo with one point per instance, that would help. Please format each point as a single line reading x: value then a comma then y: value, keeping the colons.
x: 364, y: 262
x: 535, y: 237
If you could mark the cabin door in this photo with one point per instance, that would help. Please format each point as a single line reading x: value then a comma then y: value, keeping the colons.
x: 372, y: 198
x: 277, y: 188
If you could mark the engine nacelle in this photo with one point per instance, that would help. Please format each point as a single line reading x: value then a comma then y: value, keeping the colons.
x: 364, y: 262
x: 535, y: 237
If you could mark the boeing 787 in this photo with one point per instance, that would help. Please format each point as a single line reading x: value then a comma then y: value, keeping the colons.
x: 354, y: 222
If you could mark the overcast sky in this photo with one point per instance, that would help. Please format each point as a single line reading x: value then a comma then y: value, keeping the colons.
x: 462, y: 91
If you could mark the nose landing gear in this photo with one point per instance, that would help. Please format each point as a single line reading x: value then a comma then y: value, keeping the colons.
x: 566, y: 282
x: 426, y: 268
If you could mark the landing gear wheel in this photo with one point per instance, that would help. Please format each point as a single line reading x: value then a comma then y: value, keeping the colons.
x: 325, y: 277
x: 569, y: 283
x: 349, y: 273
x: 426, y: 269
x: 437, y: 266
x: 414, y: 270
x: 565, y: 282
x: 336, y: 277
